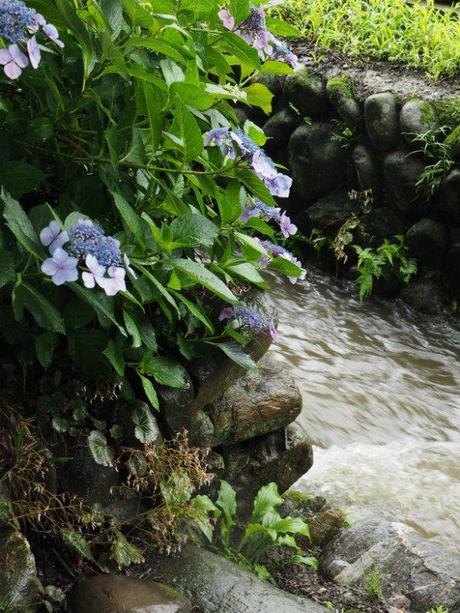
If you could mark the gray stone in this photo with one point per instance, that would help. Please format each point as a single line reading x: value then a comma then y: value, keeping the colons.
x: 409, y: 566
x: 424, y: 294
x: 428, y: 241
x: 331, y: 211
x: 402, y: 172
x: 382, y: 121
x: 264, y: 400
x: 282, y: 456
x: 217, y: 585
x: 452, y: 140
x: 120, y: 594
x: 176, y: 404
x: 367, y: 169
x: 417, y: 117
x: 85, y: 478
x: 278, y: 130
x: 306, y: 90
x: 448, y: 202
x: 20, y: 588
x: 340, y: 93
x: 215, y: 372
x: 317, y: 161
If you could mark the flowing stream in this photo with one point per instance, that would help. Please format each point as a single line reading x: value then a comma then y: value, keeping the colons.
x: 381, y: 397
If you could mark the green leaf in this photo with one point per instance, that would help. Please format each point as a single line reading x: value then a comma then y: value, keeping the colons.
x: 256, y: 186
x: 275, y: 67
x: 132, y: 329
x: 164, y: 371
x: 285, y: 266
x: 240, y: 10
x: 154, y: 103
x: 7, y: 269
x: 150, y: 392
x: 251, y: 243
x: 99, y: 448
x: 136, y: 153
x: 226, y: 500
x: 45, y: 344
x: 195, y: 311
x: 281, y: 27
x: 60, y: 424
x: 200, y: 274
x: 259, y: 95
x: 21, y: 226
x: 255, y: 133
x: 248, y: 272
x: 240, y: 49
x: 293, y: 525
x: 99, y: 303
x: 307, y: 560
x: 236, y: 353
x: 190, y: 133
x: 114, y: 355
x: 77, y: 542
x: 146, y: 330
x: 194, y: 230
x: 193, y: 94
x: 229, y: 202
x: 19, y: 178
x: 44, y: 313
x: 146, y: 430
x: 123, y: 552
x: 158, y: 46
x: 130, y: 217
x: 113, y: 13
x: 265, y: 502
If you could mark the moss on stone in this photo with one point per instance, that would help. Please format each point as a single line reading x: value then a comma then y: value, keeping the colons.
x: 452, y: 140
x: 296, y: 497
x: 340, y: 86
x: 448, y: 112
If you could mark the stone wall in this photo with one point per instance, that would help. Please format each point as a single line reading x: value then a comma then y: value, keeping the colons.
x: 336, y: 135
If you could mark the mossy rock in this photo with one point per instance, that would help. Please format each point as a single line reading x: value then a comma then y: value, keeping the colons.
x: 382, y: 120
x: 448, y: 112
x: 417, y: 117
x: 340, y: 93
x: 340, y: 86
x: 306, y: 91
x: 452, y: 140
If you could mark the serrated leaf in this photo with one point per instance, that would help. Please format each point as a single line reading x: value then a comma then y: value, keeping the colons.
x: 164, y: 370
x: 259, y: 95
x: 196, y: 312
x: 275, y: 67
x: 7, y: 269
x: 150, y: 392
x: 123, y: 552
x: 285, y: 267
x: 60, y: 424
x: 129, y: 216
x: 100, y: 303
x: 44, y: 313
x: 114, y: 354
x: 194, y: 230
x: 190, y: 133
x: 146, y: 430
x: 200, y: 274
x: 19, y: 178
x: 236, y: 353
x: 248, y: 272
x: 99, y: 448
x: 21, y: 226
x: 77, y: 542
x: 132, y: 329
x: 255, y: 133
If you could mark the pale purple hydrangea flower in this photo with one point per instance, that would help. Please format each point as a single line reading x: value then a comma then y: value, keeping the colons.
x: 14, y: 61
x: 51, y: 32
x: 95, y: 275
x: 35, y: 55
x: 226, y: 19
x: 61, y: 267
x: 115, y: 282
x: 286, y: 226
x: 257, y: 208
x: 250, y: 319
x: 53, y: 237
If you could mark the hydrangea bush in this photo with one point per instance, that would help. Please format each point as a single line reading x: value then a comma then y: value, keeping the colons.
x: 132, y: 202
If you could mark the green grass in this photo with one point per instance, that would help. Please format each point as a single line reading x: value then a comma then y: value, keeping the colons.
x: 418, y: 34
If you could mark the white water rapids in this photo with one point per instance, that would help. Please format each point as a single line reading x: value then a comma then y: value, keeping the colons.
x: 381, y: 394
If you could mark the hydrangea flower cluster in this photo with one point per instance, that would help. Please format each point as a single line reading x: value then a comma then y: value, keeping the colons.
x: 254, y: 31
x: 105, y: 265
x: 257, y: 208
x: 281, y: 252
x: 250, y: 319
x: 20, y: 25
x: 237, y: 142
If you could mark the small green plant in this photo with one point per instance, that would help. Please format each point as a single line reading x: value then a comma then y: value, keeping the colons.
x: 374, y: 583
x: 439, y: 609
x: 265, y: 530
x: 387, y: 261
x: 345, y: 136
x: 433, y: 147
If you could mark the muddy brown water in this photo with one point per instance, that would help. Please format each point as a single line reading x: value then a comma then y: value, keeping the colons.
x: 381, y: 394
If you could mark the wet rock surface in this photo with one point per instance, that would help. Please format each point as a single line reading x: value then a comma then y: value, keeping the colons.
x: 217, y: 585
x: 402, y: 173
x: 428, y: 242
x: 411, y: 571
x: 262, y: 401
x: 331, y: 211
x: 417, y: 117
x: 306, y: 91
x: 382, y: 121
x: 121, y: 594
x: 20, y: 589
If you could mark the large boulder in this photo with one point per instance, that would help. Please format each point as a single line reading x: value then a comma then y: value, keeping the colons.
x: 425, y: 294
x: 282, y: 456
x: 417, y: 117
x: 215, y: 372
x: 331, y: 211
x: 264, y: 400
x: 402, y: 173
x: 340, y: 93
x: 428, y: 241
x: 447, y: 205
x: 217, y: 585
x: 367, y: 170
x: 317, y: 161
x: 278, y: 130
x: 120, y: 594
x: 20, y: 589
x: 306, y: 91
x: 382, y: 120
x: 379, y: 224
x: 410, y: 570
